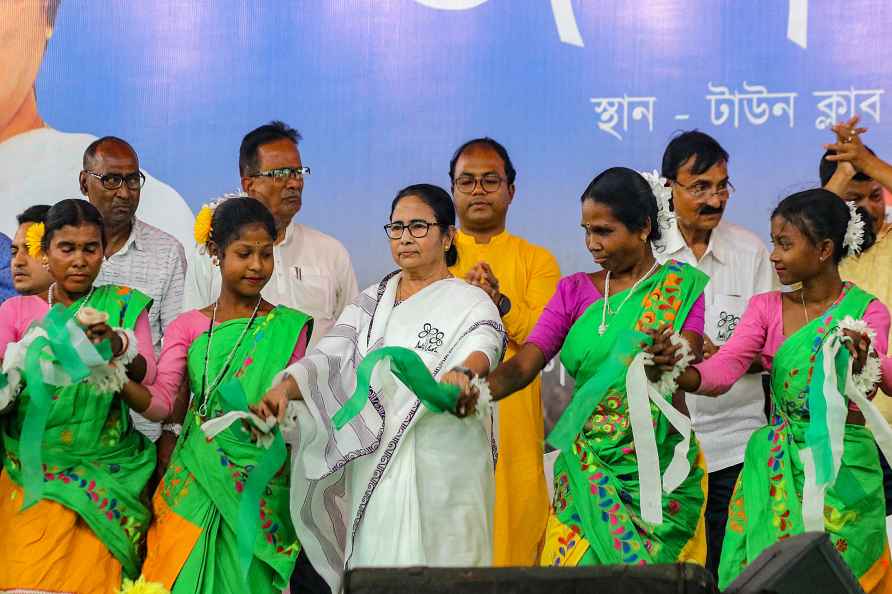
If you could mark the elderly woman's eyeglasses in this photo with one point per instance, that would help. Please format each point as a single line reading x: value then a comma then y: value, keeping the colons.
x: 113, y: 181
x: 417, y: 229
x: 283, y: 173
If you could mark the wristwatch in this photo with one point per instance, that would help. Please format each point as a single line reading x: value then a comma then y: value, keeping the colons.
x: 504, y: 305
x: 470, y: 374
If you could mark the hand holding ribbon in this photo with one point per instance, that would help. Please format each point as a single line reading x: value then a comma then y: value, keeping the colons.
x: 406, y: 366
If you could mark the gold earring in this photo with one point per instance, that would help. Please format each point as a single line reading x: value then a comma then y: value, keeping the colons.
x: 49, y: 33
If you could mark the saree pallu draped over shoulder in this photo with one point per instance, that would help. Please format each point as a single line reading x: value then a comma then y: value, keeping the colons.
x: 88, y: 526
x: 601, y: 509
x: 222, y: 519
x: 399, y: 484
x: 787, y: 461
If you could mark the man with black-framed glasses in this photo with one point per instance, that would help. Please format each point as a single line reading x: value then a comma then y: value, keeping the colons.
x: 313, y: 271
x: 696, y: 168
x: 137, y: 254
x: 520, y: 278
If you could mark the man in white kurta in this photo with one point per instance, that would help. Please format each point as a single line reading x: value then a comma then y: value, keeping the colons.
x: 312, y: 272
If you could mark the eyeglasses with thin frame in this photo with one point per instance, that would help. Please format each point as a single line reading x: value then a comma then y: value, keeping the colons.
x: 417, y: 228
x: 704, y: 190
x: 113, y: 181
x: 489, y: 182
x: 283, y: 173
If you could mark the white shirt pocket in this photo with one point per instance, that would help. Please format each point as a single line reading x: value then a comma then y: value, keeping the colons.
x: 313, y: 293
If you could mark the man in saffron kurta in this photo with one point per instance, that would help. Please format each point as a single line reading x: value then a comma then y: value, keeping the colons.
x: 520, y: 278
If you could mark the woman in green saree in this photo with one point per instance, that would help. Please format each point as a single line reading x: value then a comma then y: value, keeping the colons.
x: 222, y: 515
x: 628, y: 487
x: 815, y: 466
x: 72, y: 503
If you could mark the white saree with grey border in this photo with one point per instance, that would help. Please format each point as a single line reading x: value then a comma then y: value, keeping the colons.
x: 399, y: 485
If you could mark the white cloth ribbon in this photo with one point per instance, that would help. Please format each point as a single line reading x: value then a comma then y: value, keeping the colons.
x: 217, y: 425
x: 640, y: 393
x: 836, y: 412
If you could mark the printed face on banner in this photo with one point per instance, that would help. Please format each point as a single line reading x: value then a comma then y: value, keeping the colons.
x: 24, y: 30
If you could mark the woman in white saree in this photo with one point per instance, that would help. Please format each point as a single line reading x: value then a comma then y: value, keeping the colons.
x: 399, y: 484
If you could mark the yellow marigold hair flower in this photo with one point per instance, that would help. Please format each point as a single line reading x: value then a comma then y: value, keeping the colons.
x: 34, y: 239
x: 203, y: 225
x: 141, y: 586
x: 205, y: 218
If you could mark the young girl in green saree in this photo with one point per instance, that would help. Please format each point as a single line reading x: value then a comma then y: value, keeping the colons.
x: 222, y: 510
x: 815, y: 466
x: 630, y: 481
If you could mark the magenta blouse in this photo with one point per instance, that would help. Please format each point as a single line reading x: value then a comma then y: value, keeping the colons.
x: 760, y: 333
x: 573, y: 296
x: 17, y: 313
x: 178, y: 337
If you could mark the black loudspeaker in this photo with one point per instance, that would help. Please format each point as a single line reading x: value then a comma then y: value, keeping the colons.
x: 802, y: 564
x: 683, y: 578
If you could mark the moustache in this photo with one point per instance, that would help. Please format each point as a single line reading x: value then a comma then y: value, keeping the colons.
x: 711, y: 210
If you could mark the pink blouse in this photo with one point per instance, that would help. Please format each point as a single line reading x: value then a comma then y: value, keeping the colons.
x: 760, y: 333
x: 178, y: 337
x: 573, y: 296
x: 17, y: 314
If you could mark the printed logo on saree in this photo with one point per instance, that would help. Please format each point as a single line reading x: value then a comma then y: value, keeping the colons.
x: 430, y: 339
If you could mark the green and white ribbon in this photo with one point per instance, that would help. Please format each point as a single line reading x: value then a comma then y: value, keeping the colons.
x: 825, y: 435
x: 405, y: 365
x: 233, y: 397
x: 640, y: 393
x: 54, y: 352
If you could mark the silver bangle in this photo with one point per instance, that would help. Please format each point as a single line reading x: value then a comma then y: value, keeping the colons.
x: 174, y: 428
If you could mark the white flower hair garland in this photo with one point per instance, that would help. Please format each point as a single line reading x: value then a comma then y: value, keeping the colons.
x: 854, y: 237
x: 663, y: 194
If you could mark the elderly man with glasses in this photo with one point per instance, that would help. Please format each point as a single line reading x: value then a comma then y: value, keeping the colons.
x: 696, y: 167
x: 313, y: 272
x: 520, y: 278
x: 137, y: 254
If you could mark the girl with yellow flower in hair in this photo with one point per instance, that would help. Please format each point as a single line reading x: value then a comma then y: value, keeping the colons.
x: 222, y: 509
x: 72, y: 501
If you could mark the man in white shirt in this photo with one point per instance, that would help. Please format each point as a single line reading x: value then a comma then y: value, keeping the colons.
x: 137, y: 255
x: 738, y: 267
x: 38, y: 164
x: 312, y: 271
